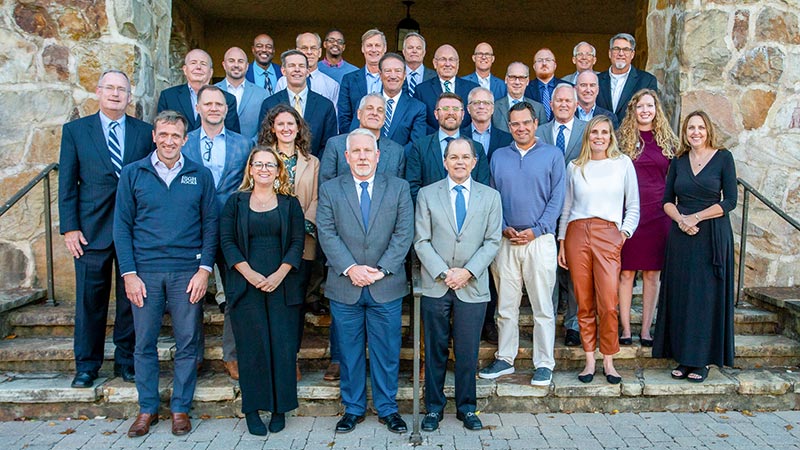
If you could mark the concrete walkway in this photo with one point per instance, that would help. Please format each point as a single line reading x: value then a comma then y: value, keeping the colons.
x: 584, y: 431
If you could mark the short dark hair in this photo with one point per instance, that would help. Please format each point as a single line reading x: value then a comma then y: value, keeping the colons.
x: 169, y: 116
x: 209, y: 87
x: 522, y: 106
x: 390, y: 55
x: 292, y: 52
x: 335, y: 30
x: 451, y: 95
x: 461, y: 139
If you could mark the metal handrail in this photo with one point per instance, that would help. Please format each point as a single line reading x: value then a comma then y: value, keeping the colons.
x: 44, y: 175
x: 747, y: 190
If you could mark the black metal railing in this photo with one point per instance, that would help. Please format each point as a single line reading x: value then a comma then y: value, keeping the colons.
x: 44, y: 176
x: 747, y: 191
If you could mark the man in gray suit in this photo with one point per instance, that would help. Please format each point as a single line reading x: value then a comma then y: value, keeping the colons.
x: 371, y: 115
x: 249, y: 97
x: 365, y: 222
x: 566, y: 133
x: 517, y: 76
x: 458, y: 231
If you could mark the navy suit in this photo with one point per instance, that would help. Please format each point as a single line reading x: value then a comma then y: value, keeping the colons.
x: 425, y: 164
x: 428, y: 92
x: 532, y: 90
x: 319, y: 114
x: 498, y: 138
x: 427, y: 74
x: 496, y: 85
x: 177, y: 98
x: 598, y: 111
x: 252, y: 98
x: 408, y: 122
x: 637, y: 80
x: 249, y: 76
x: 352, y: 88
x: 87, y: 188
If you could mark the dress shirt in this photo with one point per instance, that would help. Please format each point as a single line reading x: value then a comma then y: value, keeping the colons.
x: 443, y: 143
x: 617, y: 84
x: 583, y: 115
x: 218, y: 153
x: 303, y: 99
x: 258, y: 77
x: 105, y: 122
x: 484, y: 138
x: 511, y: 101
x: 567, y: 131
x: 467, y: 188
x: 236, y: 91
x: 319, y: 83
x: 419, y: 73
x: 373, y: 81
x: 452, y: 84
x: 336, y: 71
x: 484, y: 82
x: 371, y: 183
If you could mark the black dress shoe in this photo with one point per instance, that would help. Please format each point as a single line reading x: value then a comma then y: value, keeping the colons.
x: 348, y: 423
x: 125, y: 372
x: 572, y: 338
x: 394, y: 423
x: 470, y: 420
x: 83, y: 380
x: 255, y: 425
x: 431, y: 421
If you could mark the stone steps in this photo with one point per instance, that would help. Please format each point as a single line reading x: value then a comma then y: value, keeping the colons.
x: 48, y: 395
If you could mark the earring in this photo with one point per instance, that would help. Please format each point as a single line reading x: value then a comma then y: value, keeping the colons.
x: 276, y: 184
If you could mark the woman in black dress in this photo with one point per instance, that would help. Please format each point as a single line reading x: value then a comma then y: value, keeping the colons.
x: 695, y: 307
x: 262, y: 236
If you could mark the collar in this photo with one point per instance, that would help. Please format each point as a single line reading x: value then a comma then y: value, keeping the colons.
x: 451, y: 80
x: 203, y: 134
x: 442, y: 135
x: 155, y: 162
x: 581, y: 108
x: 475, y: 130
x: 569, y: 124
x: 516, y: 147
x: 105, y: 121
x: 329, y: 64
x: 303, y: 94
x: 621, y: 74
x: 370, y: 180
x: 230, y: 86
x: 451, y: 184
x: 511, y: 99
x: 396, y: 98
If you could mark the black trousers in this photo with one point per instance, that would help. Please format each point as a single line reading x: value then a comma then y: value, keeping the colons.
x: 466, y: 332
x: 93, y: 273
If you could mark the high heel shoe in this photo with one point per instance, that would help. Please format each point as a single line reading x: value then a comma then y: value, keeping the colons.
x: 625, y: 341
x: 277, y: 422
x: 645, y: 342
x: 255, y: 425
x: 612, y: 379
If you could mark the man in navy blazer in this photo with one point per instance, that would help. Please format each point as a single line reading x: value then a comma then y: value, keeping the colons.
x: 263, y: 72
x: 316, y: 110
x: 587, y: 86
x: 249, y: 97
x: 544, y: 67
x: 93, y: 151
x: 183, y: 98
x: 405, y: 116
x: 363, y: 81
x: 480, y: 105
x: 414, y: 49
x: 614, y: 97
x: 425, y: 163
x: 445, y: 61
x: 483, y: 57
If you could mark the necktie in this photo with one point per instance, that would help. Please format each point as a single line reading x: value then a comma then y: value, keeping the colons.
x: 446, y: 143
x: 560, y: 139
x: 514, y: 102
x: 298, y: 104
x: 207, y: 153
x: 365, y: 201
x: 447, y: 86
x: 546, y: 100
x: 461, y: 206
x: 412, y: 83
x: 388, y: 122
x: 267, y: 83
x: 114, y: 149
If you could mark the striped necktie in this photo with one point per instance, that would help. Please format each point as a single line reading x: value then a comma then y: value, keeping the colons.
x: 114, y: 149
x: 267, y: 83
x: 546, y: 100
x: 298, y: 106
x: 447, y: 86
x: 388, y: 122
x: 412, y: 83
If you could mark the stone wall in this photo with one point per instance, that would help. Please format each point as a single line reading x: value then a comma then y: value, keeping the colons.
x: 740, y: 61
x: 53, y: 53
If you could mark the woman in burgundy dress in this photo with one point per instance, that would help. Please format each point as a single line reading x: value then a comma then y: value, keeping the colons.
x: 645, y: 136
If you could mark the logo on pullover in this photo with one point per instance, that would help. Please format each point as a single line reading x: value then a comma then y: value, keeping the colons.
x: 188, y: 180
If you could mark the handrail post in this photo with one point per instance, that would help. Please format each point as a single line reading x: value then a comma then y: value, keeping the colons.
x: 48, y: 239
x: 416, y: 437
x: 743, y: 243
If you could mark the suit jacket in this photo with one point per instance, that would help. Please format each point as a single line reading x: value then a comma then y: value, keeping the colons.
x: 532, y: 90
x: 440, y: 246
x: 352, y: 88
x: 425, y: 164
x: 237, y: 149
x: 177, y: 98
x: 598, y: 111
x: 545, y: 133
x: 496, y: 85
x: 334, y: 164
x: 637, y: 80
x: 408, y: 121
x: 87, y: 184
x: 252, y: 98
x: 249, y: 75
x: 502, y: 105
x: 497, y: 139
x: 428, y: 92
x: 383, y: 244
x: 234, y: 237
x: 319, y: 114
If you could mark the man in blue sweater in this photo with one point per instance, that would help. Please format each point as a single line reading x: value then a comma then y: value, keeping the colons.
x: 166, y: 231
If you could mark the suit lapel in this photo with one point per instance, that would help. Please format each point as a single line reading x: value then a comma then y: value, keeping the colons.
x: 131, y: 135
x: 351, y: 194
x: 474, y: 204
x: 378, y: 191
x: 575, y: 138
x: 362, y: 82
x: 101, y: 146
x: 397, y: 114
x: 185, y: 100
x: 445, y: 205
x: 300, y: 168
x: 435, y: 153
x: 311, y: 105
x: 627, y: 90
x: 246, y: 96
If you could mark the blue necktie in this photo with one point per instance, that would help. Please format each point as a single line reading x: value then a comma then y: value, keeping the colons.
x: 447, y: 141
x: 267, y: 83
x: 412, y: 83
x: 388, y: 122
x: 114, y: 149
x: 461, y: 206
x: 365, y: 201
x: 546, y: 101
x: 514, y: 102
x: 560, y: 139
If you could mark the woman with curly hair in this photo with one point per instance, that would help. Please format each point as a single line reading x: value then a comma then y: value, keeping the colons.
x: 646, y: 137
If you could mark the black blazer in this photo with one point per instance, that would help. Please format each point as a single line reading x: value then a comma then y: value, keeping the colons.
x: 234, y: 234
x: 177, y: 98
x: 498, y: 138
x: 637, y: 80
x: 428, y: 92
x: 319, y: 115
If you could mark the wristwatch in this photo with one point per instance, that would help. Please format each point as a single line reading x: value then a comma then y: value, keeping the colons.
x: 385, y: 272
x: 442, y: 275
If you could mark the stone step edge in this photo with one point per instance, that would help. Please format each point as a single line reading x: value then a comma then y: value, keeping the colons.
x: 51, y: 388
x: 11, y: 299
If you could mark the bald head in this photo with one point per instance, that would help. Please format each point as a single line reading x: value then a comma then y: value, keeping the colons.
x: 483, y: 57
x: 235, y: 65
x: 445, y: 61
x: 197, y: 68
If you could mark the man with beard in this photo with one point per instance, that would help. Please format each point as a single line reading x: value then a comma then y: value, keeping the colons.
x: 622, y: 80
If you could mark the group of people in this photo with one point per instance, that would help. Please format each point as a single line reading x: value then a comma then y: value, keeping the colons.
x: 563, y: 189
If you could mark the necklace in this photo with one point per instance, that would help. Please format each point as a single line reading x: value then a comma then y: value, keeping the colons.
x: 703, y: 160
x: 263, y: 203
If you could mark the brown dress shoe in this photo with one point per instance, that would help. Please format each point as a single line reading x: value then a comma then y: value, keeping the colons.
x: 141, y: 425
x: 181, y: 424
x: 332, y: 372
x: 232, y: 367
x: 297, y: 368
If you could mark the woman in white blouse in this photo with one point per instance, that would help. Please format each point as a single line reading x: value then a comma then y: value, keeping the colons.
x: 601, y: 210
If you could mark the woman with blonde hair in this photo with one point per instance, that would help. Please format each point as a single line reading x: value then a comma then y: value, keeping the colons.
x: 646, y: 137
x: 601, y: 211
x: 261, y: 236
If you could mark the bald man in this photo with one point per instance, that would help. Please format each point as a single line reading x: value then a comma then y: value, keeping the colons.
x: 249, y: 97
x: 311, y: 46
x: 445, y: 61
x: 483, y: 57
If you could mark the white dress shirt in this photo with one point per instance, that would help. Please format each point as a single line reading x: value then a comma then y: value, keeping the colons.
x: 320, y: 84
x: 567, y: 131
x: 617, y: 84
x: 465, y: 192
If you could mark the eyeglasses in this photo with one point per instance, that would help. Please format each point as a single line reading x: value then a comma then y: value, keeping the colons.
x: 519, y: 124
x: 624, y: 50
x: 448, y: 60
x: 335, y: 41
x: 517, y: 77
x: 450, y: 108
x: 486, y: 103
x: 306, y: 48
x: 114, y: 89
x: 483, y: 55
x: 544, y: 60
x: 583, y: 54
x: 258, y: 165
